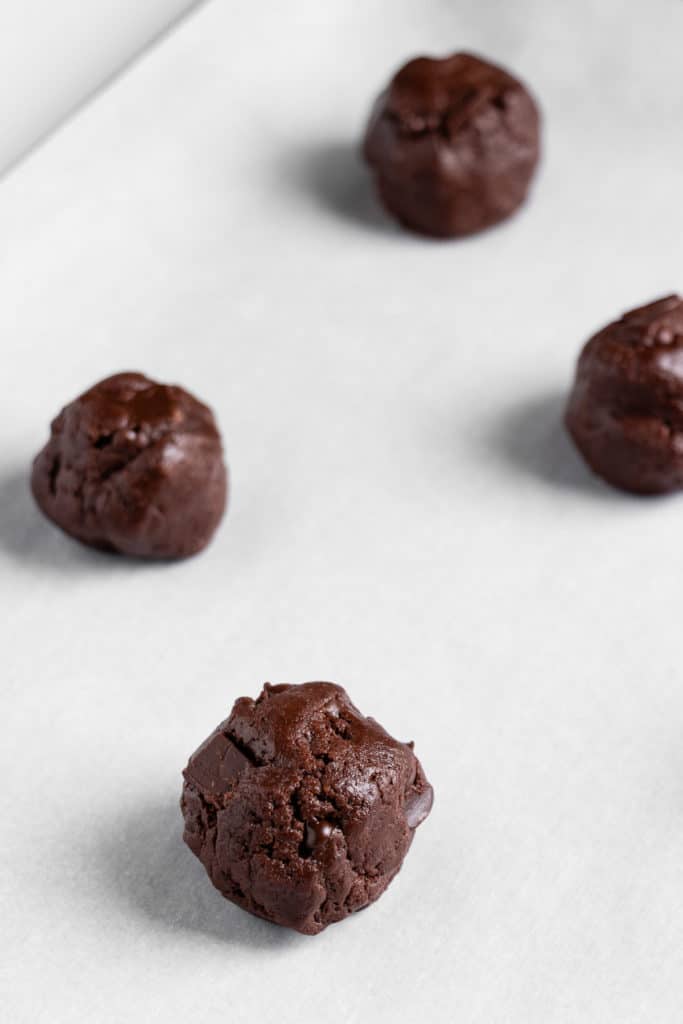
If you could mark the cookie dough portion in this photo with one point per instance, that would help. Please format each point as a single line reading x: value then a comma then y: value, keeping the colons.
x: 301, y: 809
x: 625, y: 411
x: 134, y: 467
x: 453, y: 145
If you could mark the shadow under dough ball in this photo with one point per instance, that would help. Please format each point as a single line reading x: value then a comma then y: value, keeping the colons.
x: 625, y: 412
x: 134, y: 467
x: 453, y: 145
x: 300, y: 809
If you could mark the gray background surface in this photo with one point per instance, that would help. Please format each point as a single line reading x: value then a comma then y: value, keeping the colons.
x: 55, y: 53
x: 407, y: 519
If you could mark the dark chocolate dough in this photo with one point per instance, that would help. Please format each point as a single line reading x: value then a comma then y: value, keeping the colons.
x: 625, y: 412
x: 300, y: 809
x: 134, y: 467
x: 453, y: 145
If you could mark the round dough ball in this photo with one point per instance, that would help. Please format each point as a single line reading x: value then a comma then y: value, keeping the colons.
x: 134, y: 467
x: 300, y: 809
x: 453, y: 145
x: 625, y: 412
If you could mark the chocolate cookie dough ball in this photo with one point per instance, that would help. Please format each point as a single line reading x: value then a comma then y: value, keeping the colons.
x: 134, y: 467
x: 625, y: 411
x: 300, y: 809
x: 453, y: 145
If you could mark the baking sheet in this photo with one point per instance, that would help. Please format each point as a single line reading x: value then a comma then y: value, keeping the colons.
x: 407, y: 519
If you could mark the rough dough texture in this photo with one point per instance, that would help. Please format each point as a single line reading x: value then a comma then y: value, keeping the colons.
x: 453, y: 145
x: 134, y: 467
x: 300, y: 809
x: 625, y: 412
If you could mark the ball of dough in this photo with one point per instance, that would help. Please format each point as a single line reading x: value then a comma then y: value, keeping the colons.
x: 300, y: 809
x: 453, y: 145
x: 134, y: 467
x: 625, y: 412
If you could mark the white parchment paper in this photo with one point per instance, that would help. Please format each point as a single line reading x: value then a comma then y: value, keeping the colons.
x: 407, y: 519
